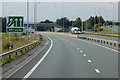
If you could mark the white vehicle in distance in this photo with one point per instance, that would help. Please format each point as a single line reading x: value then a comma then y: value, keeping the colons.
x: 75, y: 30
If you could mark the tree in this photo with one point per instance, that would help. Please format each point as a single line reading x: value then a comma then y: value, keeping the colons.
x: 100, y: 24
x: 63, y: 22
x: 101, y: 20
x: 4, y: 24
x: 46, y: 21
x: 94, y: 20
x: 77, y: 22
x: 96, y: 26
x: 90, y: 22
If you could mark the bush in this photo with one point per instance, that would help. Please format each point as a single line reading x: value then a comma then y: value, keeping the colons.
x: 23, y: 33
x: 16, y: 35
x: 6, y: 46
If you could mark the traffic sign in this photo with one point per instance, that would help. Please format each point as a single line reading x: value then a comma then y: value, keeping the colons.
x: 15, y: 24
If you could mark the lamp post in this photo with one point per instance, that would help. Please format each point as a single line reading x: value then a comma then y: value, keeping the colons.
x: 35, y: 15
x: 99, y: 21
x: 63, y: 16
x: 86, y: 25
x: 94, y: 18
x: 113, y: 17
x: 27, y: 19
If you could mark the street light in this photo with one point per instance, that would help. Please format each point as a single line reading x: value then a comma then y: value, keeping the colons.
x: 86, y: 25
x: 34, y: 16
x: 94, y: 17
x: 63, y: 15
x: 99, y: 20
x: 82, y: 25
x: 3, y: 8
x: 106, y: 16
x: 27, y: 19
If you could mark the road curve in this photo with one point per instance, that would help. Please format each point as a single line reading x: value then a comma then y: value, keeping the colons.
x: 74, y: 58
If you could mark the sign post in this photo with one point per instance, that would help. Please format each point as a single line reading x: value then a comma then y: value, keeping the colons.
x: 15, y: 24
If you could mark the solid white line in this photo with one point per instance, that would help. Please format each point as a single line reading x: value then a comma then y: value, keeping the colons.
x: 97, y: 70
x: 25, y: 63
x: 89, y: 61
x: 81, y: 51
x: 39, y: 62
x: 84, y: 54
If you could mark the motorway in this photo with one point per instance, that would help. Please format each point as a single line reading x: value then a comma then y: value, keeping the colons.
x: 70, y: 57
x: 73, y: 58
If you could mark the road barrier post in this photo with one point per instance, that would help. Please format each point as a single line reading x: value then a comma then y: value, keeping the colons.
x: 16, y: 53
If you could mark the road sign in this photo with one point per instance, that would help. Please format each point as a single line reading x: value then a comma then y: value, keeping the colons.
x: 15, y: 24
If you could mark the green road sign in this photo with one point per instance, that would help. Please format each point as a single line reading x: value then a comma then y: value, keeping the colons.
x: 15, y: 24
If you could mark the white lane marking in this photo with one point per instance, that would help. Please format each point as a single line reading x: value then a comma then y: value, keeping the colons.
x: 25, y: 63
x: 39, y: 62
x: 102, y: 46
x: 81, y: 51
x: 84, y: 54
x: 77, y: 48
x: 89, y: 61
x: 97, y: 70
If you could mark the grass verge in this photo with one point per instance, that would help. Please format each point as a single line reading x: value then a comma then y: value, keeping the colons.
x: 103, y: 35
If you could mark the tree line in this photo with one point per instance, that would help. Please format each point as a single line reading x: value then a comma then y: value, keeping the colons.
x: 90, y: 23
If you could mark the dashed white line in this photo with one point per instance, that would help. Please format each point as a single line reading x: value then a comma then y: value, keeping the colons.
x: 102, y: 46
x: 89, y: 61
x: 84, y: 54
x: 97, y: 70
x: 77, y: 48
x: 81, y: 51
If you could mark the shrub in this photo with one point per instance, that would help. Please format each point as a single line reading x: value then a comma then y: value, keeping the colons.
x: 23, y: 33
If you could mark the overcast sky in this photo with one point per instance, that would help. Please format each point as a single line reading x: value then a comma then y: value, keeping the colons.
x: 54, y: 10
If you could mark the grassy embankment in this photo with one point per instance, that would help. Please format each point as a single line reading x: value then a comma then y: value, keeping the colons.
x: 15, y: 41
x: 106, y: 32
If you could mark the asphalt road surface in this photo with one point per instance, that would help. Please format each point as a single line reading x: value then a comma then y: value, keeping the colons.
x: 74, y: 58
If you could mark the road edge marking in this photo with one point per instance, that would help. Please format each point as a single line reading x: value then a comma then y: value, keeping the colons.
x: 25, y: 63
x: 39, y: 62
